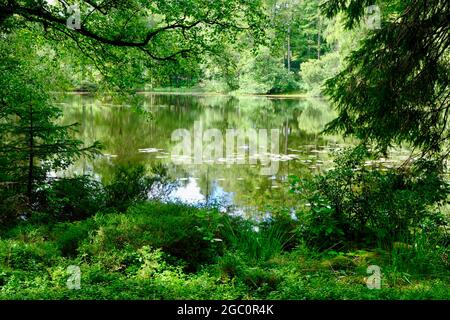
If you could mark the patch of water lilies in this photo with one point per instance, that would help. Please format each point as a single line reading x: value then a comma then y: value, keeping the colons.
x: 149, y: 150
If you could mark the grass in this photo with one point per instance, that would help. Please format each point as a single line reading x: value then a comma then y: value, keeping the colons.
x: 168, y: 251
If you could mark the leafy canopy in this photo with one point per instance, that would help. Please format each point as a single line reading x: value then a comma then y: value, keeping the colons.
x: 395, y: 87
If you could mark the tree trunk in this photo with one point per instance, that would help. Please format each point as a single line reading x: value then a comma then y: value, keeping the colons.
x: 318, y: 36
x: 289, y: 49
x: 31, y: 159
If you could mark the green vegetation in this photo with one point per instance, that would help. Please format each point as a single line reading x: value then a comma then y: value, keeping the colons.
x: 158, y: 251
x: 355, y: 203
x: 315, y: 239
x: 171, y: 251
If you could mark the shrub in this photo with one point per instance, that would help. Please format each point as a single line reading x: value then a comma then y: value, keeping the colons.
x: 68, y: 236
x: 355, y: 203
x: 26, y: 256
x: 258, y: 241
x: 314, y: 72
x: 425, y: 257
x: 131, y: 184
x: 72, y: 199
x: 230, y: 265
x: 265, y: 74
x: 283, y: 82
x: 12, y: 206
x: 190, y: 234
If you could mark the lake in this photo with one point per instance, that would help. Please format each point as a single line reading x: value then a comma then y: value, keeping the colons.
x: 233, y: 178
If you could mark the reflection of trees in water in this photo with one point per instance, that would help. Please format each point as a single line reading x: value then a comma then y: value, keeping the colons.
x: 125, y: 130
x: 315, y: 116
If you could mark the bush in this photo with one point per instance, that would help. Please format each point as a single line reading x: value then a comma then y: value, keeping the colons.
x: 77, y: 198
x: 131, y: 184
x: 425, y: 257
x: 265, y: 74
x: 284, y: 82
x: 72, y: 199
x: 26, y: 256
x: 314, y: 72
x: 259, y: 242
x: 12, y: 206
x: 186, y: 233
x: 68, y: 236
x: 355, y: 203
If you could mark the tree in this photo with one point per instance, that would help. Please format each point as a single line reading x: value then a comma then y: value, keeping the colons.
x: 123, y: 39
x: 314, y: 71
x: 161, y: 36
x: 301, y: 23
x: 32, y: 144
x: 395, y: 87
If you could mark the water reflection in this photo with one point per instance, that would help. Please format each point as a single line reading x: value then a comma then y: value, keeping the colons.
x: 130, y: 136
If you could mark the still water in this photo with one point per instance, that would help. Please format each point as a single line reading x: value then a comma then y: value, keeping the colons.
x: 144, y: 135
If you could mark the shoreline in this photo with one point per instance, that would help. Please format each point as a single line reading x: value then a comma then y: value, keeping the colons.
x: 210, y: 94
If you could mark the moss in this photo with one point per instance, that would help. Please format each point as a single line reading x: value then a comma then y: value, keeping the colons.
x: 339, y: 263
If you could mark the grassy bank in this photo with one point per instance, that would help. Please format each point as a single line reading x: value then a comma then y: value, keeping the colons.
x: 205, y: 92
x: 168, y: 251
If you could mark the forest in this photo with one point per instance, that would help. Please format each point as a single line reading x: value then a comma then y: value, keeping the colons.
x: 224, y: 150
